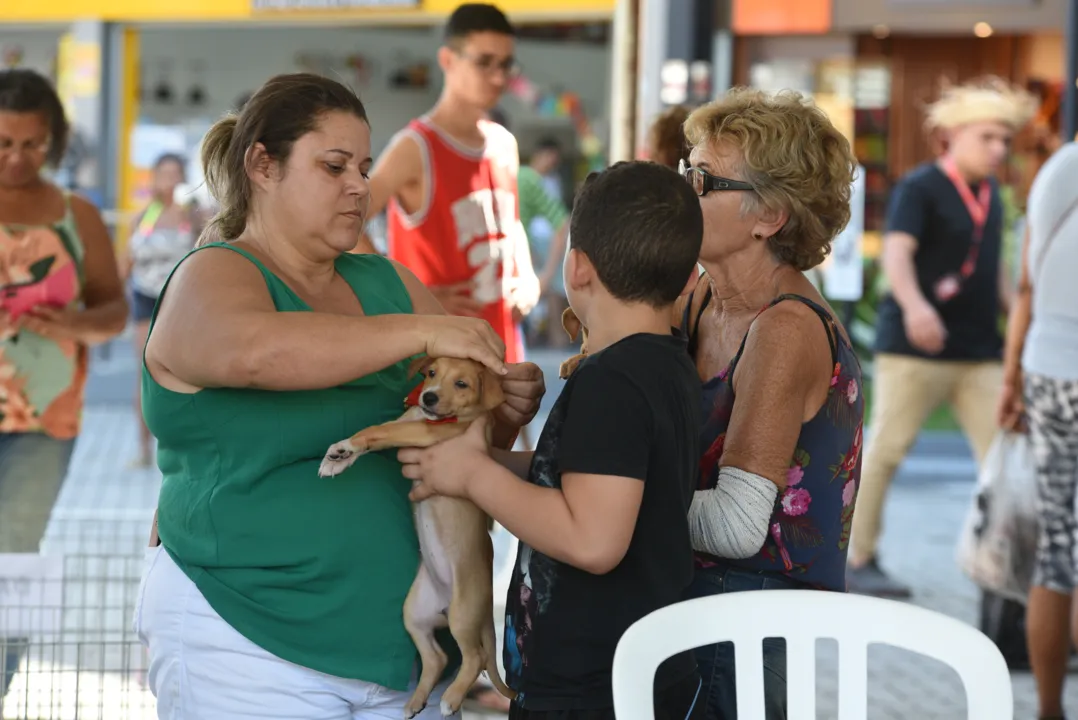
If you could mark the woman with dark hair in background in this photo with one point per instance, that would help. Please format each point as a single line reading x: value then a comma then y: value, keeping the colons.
x: 164, y: 232
x: 59, y: 292
x: 666, y: 138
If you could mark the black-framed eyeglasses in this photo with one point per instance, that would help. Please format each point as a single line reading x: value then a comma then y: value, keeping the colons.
x: 703, y: 182
x: 488, y: 64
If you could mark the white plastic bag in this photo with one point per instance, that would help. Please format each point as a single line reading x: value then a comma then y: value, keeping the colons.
x: 998, y: 544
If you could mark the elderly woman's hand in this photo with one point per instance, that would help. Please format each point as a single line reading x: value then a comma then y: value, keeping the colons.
x: 524, y: 387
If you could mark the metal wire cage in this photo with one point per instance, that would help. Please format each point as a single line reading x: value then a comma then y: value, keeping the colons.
x: 67, y: 647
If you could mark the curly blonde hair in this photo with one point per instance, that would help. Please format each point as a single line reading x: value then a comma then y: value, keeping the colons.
x: 793, y: 156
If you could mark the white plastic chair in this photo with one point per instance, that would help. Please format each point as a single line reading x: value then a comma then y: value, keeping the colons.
x: 802, y: 616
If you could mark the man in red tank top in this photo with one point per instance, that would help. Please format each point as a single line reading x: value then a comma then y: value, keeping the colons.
x: 449, y: 183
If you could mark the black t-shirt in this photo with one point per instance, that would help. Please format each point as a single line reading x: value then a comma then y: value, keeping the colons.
x: 630, y: 410
x: 926, y: 205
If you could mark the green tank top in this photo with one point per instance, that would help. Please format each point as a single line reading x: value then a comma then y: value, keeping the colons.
x: 314, y: 570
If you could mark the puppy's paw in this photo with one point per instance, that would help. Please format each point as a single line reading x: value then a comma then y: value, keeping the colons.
x: 569, y: 366
x: 447, y: 709
x: 413, y: 708
x: 338, y: 458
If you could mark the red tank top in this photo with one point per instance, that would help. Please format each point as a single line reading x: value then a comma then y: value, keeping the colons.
x: 466, y: 228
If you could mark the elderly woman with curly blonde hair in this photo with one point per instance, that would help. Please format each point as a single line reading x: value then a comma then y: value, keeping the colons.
x: 782, y: 397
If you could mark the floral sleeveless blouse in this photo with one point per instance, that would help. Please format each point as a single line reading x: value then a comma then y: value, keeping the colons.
x: 41, y: 380
x: 810, y: 525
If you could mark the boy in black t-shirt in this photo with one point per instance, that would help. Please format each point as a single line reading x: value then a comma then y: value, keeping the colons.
x: 602, y: 513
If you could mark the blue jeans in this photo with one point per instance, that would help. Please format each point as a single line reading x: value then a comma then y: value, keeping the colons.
x: 32, y: 469
x: 716, y: 662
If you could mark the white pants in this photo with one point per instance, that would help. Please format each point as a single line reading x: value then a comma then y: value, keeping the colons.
x: 202, y: 669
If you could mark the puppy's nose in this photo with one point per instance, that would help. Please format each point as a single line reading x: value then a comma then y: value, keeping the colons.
x: 429, y: 398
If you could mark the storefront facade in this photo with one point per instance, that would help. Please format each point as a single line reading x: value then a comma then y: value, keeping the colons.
x: 141, y: 78
x: 877, y: 63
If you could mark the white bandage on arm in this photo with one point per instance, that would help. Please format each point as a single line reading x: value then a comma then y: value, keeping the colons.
x: 731, y: 520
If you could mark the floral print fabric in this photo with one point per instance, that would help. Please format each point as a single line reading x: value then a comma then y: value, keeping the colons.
x: 810, y: 525
x: 41, y: 380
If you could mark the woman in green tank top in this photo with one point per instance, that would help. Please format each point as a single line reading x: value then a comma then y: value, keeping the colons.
x: 276, y: 593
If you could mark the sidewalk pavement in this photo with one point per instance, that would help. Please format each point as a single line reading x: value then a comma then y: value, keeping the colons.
x: 105, y: 508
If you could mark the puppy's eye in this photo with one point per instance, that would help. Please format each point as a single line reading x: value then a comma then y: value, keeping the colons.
x: 461, y: 384
x: 430, y: 373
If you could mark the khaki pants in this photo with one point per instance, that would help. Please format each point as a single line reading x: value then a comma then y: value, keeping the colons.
x: 906, y: 390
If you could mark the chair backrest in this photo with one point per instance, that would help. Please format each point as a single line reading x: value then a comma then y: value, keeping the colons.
x: 746, y: 618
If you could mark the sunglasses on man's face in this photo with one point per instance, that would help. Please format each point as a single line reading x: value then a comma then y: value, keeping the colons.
x: 703, y: 182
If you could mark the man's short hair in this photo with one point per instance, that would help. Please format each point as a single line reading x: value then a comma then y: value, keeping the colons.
x: 548, y: 143
x: 641, y: 226
x: 472, y: 18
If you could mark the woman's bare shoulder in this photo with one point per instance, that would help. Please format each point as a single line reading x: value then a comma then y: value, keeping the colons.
x: 218, y: 275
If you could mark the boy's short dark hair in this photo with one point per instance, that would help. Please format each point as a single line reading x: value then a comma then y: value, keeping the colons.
x: 641, y: 226
x: 548, y: 143
x: 472, y: 18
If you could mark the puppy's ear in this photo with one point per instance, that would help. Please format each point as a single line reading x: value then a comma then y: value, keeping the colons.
x: 571, y: 323
x: 490, y: 390
x: 420, y: 365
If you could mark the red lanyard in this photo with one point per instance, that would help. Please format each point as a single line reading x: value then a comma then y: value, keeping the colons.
x: 977, y: 207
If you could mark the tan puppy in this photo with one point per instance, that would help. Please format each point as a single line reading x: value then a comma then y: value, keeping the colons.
x: 574, y: 327
x: 454, y: 585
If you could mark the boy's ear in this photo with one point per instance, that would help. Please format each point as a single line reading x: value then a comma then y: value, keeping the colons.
x: 578, y: 269
x: 491, y: 395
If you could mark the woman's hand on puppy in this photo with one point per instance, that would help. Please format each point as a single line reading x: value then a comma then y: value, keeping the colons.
x: 462, y: 337
x: 448, y: 467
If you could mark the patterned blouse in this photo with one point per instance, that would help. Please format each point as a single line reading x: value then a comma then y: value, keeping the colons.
x: 41, y: 380
x: 810, y: 525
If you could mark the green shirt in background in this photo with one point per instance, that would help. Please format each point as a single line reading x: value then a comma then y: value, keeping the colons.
x: 314, y: 570
x: 537, y: 202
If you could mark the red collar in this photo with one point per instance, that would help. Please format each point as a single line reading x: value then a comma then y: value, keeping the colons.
x: 413, y: 401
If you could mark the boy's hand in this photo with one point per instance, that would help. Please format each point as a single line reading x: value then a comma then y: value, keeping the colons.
x: 524, y: 388
x: 448, y: 467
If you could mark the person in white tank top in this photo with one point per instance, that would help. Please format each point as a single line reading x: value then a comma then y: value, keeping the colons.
x: 165, y: 231
x: 1041, y: 390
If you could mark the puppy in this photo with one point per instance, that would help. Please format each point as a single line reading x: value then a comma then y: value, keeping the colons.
x: 574, y: 327
x: 454, y: 585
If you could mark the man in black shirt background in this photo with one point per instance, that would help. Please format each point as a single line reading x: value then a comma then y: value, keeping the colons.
x: 938, y: 338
